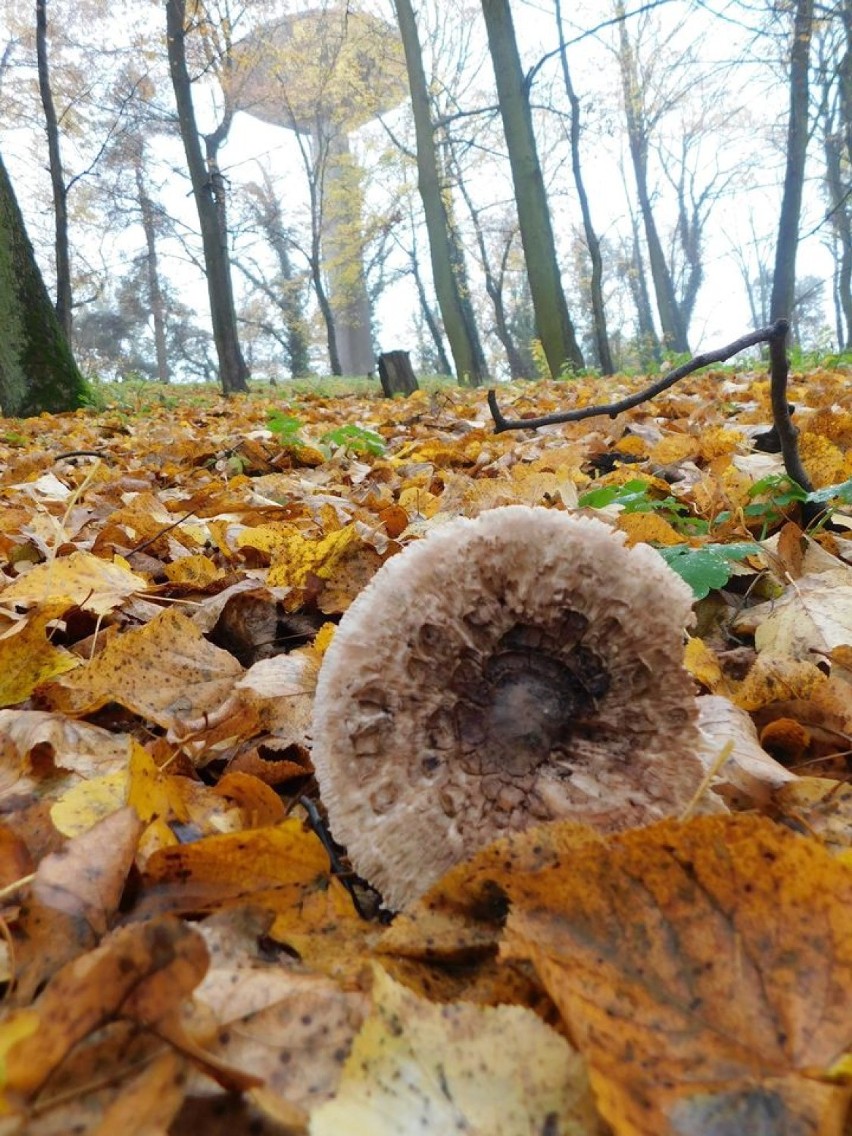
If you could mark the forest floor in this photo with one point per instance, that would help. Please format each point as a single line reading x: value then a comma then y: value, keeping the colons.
x: 181, y: 950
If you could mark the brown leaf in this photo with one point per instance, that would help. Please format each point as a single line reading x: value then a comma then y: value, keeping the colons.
x: 700, y: 967
x: 165, y: 671
x: 74, y: 898
x: 143, y: 972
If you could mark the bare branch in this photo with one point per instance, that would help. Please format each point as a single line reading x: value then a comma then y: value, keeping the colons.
x: 775, y: 336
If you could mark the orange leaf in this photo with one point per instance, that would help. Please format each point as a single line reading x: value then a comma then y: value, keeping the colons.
x: 145, y: 971
x: 221, y: 869
x: 700, y: 967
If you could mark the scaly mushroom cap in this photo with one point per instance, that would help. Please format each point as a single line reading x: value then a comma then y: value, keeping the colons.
x: 520, y: 667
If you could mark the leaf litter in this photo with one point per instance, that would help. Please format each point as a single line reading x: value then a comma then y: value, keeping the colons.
x: 181, y: 949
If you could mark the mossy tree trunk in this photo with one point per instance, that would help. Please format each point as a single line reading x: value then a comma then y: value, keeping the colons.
x: 37, y: 369
x: 454, y: 302
x: 553, y: 321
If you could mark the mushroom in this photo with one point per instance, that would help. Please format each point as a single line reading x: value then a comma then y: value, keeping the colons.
x: 516, y: 668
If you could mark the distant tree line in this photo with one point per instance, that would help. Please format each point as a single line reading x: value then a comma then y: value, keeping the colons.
x: 462, y: 155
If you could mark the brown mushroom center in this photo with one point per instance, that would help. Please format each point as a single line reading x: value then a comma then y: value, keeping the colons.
x: 522, y: 702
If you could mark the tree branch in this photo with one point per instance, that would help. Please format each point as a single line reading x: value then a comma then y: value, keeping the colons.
x: 775, y: 336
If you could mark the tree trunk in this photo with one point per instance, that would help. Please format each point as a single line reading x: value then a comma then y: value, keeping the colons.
x: 290, y: 301
x: 152, y: 271
x: 551, y: 311
x: 592, y: 242
x: 396, y: 374
x: 429, y: 319
x: 674, y: 332
x: 208, y: 191
x: 784, y: 276
x: 456, y: 311
x: 57, y: 177
x: 837, y: 146
x: 493, y: 287
x: 37, y: 369
x: 649, y: 342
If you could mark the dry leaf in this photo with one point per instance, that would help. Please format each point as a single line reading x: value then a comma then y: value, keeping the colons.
x: 420, y: 1068
x: 701, y: 968
x: 164, y: 671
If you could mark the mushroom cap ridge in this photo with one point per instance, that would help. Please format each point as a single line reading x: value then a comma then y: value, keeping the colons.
x: 519, y: 667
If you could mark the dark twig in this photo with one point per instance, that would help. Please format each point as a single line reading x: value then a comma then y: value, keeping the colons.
x: 162, y: 532
x: 775, y: 336
x: 81, y: 454
x: 784, y: 428
x: 764, y: 335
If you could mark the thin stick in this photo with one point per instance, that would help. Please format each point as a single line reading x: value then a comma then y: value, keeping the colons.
x: 775, y: 336
x: 763, y: 335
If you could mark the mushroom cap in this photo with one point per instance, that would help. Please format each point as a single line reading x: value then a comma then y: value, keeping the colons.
x: 329, y: 63
x: 520, y: 667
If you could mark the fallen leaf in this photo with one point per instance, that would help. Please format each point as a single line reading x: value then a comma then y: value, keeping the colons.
x: 27, y: 657
x: 165, y: 671
x: 75, y: 894
x: 700, y: 968
x: 813, y: 614
x: 235, y: 866
x: 81, y: 579
x: 421, y: 1068
x: 143, y: 971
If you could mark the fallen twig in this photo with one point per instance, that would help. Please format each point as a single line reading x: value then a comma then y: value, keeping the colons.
x: 775, y: 336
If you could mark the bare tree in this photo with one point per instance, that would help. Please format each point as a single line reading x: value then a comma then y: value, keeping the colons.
x: 456, y: 309
x: 286, y: 293
x: 208, y: 188
x: 592, y: 242
x: 57, y: 176
x: 553, y: 320
x: 834, y: 123
x: 784, y: 275
x: 641, y: 119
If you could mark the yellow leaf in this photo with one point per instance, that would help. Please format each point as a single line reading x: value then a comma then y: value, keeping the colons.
x: 27, y: 658
x: 85, y: 804
x: 426, y: 1069
x: 83, y: 579
x: 297, y: 557
x: 648, y: 528
x: 702, y: 664
x: 166, y: 671
x: 196, y: 570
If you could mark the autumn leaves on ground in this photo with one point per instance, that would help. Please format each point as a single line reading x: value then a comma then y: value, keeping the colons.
x: 179, y: 953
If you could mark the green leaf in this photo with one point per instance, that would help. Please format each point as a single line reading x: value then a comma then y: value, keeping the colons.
x: 355, y: 438
x: 631, y: 492
x: 841, y: 492
x: 284, y: 427
x: 707, y: 568
x: 779, y: 489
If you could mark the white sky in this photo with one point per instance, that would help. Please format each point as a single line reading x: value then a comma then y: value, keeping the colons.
x: 722, y: 313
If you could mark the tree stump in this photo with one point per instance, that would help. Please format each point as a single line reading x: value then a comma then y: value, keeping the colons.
x: 396, y: 373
